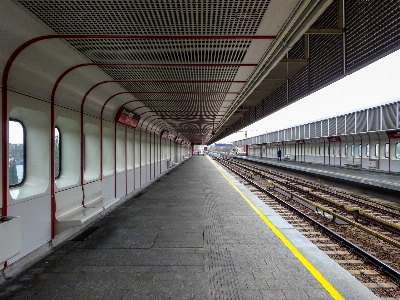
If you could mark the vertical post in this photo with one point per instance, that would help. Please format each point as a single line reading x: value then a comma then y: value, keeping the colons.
x: 379, y: 151
x: 192, y: 147
x: 126, y: 161
x: 341, y: 21
x: 329, y: 152
x: 115, y: 159
x: 361, y: 156
x: 247, y: 150
x: 389, y: 156
x: 149, y: 154
x: 134, y: 159
x: 155, y: 155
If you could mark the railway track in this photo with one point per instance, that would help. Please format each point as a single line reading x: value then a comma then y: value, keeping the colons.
x: 383, y: 221
x: 362, y: 236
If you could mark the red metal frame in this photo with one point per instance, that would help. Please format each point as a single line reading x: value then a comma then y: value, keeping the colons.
x: 28, y: 43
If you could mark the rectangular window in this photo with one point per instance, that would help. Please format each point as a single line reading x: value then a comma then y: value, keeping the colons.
x: 360, y: 150
x: 387, y: 150
x: 352, y: 150
x: 397, y: 150
x: 16, y: 153
x: 57, y: 153
x: 367, y: 150
x: 377, y: 150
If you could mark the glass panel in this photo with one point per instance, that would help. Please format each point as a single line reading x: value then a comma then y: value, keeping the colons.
x: 367, y: 150
x: 376, y: 150
x: 352, y: 150
x: 16, y: 153
x: 359, y: 150
x: 387, y: 150
x: 57, y: 153
x: 397, y: 150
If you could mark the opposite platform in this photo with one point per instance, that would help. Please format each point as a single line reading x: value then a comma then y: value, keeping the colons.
x: 190, y: 235
x: 363, y: 177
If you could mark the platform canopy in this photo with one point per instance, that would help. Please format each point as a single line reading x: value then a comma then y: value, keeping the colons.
x: 200, y: 70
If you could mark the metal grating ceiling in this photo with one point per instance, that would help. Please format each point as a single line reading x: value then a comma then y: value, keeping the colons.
x: 162, y: 51
x: 194, y: 104
x: 162, y: 17
x: 210, y: 71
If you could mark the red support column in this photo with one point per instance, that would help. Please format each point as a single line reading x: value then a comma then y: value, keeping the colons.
x: 192, y: 150
x: 247, y: 150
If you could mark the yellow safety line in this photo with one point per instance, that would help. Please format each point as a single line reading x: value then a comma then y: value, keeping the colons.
x: 317, y: 275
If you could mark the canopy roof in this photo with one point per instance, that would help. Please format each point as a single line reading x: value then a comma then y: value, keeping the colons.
x: 200, y: 69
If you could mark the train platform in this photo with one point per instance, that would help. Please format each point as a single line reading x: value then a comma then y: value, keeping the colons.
x: 196, y: 233
x: 362, y: 177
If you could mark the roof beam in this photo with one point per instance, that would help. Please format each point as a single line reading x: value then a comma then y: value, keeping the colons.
x: 325, y: 31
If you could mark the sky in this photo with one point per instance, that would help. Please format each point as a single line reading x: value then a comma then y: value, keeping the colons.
x: 373, y: 85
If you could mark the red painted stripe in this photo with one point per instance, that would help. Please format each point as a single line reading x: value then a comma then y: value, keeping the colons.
x: 184, y: 93
x: 194, y: 100
x: 177, y: 81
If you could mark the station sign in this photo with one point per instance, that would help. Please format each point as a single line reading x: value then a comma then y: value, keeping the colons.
x: 333, y: 139
x: 127, y: 117
x: 164, y: 134
x: 167, y: 135
x: 393, y: 134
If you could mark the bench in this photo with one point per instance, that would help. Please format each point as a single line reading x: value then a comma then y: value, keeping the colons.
x: 94, y: 196
x: 287, y: 157
x: 372, y: 164
x: 71, y: 212
x: 353, y: 163
x: 69, y: 209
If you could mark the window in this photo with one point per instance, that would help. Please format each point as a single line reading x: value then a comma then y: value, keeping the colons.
x: 397, y: 150
x: 16, y: 153
x: 377, y: 150
x: 359, y: 150
x: 387, y: 150
x: 367, y: 150
x: 352, y: 150
x: 57, y: 153
x: 345, y: 150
